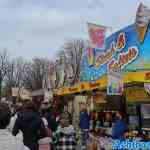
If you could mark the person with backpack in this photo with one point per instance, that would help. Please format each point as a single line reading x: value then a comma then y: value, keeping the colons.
x: 31, y: 125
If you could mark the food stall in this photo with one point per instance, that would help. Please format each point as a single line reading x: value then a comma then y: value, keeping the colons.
x: 126, y: 53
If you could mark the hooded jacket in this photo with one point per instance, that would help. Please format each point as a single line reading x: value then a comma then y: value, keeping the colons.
x: 32, y: 127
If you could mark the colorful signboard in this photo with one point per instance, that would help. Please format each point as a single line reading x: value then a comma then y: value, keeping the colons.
x: 115, y: 84
x: 126, y: 50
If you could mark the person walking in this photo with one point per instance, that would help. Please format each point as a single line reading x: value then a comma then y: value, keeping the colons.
x: 31, y: 125
x: 7, y: 140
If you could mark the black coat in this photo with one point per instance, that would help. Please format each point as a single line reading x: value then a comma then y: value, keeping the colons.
x: 32, y: 127
x: 52, y: 124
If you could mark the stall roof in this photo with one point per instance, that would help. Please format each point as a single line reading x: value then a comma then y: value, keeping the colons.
x: 128, y: 77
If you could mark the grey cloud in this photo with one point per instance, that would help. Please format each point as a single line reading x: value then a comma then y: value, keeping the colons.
x: 39, y: 27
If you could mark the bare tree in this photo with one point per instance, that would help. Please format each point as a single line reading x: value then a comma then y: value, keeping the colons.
x: 15, y: 74
x: 36, y: 73
x: 70, y: 59
x: 4, y: 59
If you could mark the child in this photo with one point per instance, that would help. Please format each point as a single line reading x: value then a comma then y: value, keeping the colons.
x: 65, y: 138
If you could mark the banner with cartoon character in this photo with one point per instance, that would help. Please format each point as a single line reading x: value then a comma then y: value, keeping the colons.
x: 127, y: 50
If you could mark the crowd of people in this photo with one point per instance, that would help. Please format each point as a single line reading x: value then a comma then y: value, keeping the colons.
x: 32, y: 127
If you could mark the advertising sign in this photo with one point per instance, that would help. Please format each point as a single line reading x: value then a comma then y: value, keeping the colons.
x: 115, y: 84
x: 96, y: 35
x: 126, y: 50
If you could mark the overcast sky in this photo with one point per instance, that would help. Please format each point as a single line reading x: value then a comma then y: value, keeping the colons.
x: 31, y: 28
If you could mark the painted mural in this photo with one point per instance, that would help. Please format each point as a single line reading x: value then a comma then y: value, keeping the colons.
x: 126, y: 50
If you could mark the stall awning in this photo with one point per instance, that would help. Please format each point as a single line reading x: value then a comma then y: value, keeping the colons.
x: 128, y: 77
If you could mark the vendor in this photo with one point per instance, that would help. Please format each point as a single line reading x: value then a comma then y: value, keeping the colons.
x: 120, y: 127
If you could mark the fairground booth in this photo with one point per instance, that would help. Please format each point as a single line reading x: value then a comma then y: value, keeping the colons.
x: 117, y: 75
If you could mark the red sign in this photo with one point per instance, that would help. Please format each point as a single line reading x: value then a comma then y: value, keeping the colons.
x: 97, y: 36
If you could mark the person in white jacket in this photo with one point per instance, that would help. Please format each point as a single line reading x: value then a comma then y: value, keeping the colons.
x: 7, y: 140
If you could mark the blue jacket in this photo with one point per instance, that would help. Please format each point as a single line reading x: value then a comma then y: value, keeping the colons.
x: 119, y: 129
x: 84, y: 120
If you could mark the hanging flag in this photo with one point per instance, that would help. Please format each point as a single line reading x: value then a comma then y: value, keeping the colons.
x: 97, y: 36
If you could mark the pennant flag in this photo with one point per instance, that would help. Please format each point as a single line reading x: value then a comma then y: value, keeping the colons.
x: 96, y: 36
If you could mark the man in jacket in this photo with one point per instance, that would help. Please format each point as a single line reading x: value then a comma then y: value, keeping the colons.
x: 31, y: 125
x: 84, y: 126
